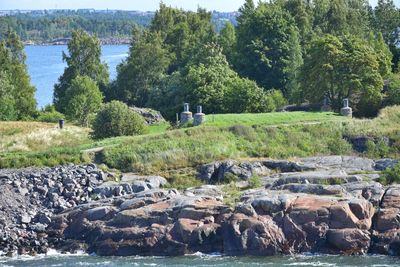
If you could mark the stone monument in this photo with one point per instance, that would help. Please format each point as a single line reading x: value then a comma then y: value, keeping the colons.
x: 346, y: 110
x: 199, y: 117
x: 186, y: 115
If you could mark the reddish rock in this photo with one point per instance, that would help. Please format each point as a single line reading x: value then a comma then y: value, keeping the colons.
x: 349, y: 241
x: 244, y: 235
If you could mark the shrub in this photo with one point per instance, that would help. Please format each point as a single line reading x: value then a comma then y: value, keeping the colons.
x: 255, y: 181
x: 50, y: 116
x: 278, y: 99
x: 390, y: 175
x: 230, y: 178
x: 116, y: 119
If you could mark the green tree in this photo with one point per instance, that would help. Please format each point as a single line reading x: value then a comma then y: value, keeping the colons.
x: 386, y: 20
x: 392, y: 94
x: 7, y: 103
x: 268, y: 46
x: 383, y: 53
x: 116, y: 119
x: 227, y: 40
x: 208, y: 80
x: 142, y: 70
x: 83, y: 59
x: 182, y: 32
x: 83, y: 98
x: 12, y: 61
x: 339, y: 68
x: 341, y: 17
x: 301, y: 11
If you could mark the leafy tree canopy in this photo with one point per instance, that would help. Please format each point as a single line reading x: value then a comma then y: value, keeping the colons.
x: 83, y: 98
x: 345, y: 67
x: 83, y: 59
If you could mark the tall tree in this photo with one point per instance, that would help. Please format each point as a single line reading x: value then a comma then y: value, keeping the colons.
x: 208, y: 80
x: 301, y: 11
x: 83, y: 98
x: 142, y: 70
x: 341, y: 17
x: 387, y: 21
x: 182, y: 32
x: 267, y: 46
x: 83, y: 59
x: 227, y: 40
x: 339, y: 68
x: 8, y: 109
x: 383, y: 52
x: 12, y: 59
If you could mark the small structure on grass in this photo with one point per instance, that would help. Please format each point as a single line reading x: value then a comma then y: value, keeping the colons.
x: 199, y: 117
x: 346, y: 110
x: 186, y: 115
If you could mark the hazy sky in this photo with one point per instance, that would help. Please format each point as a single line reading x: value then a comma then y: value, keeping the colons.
x: 144, y: 5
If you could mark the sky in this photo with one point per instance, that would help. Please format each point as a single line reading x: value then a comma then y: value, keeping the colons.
x: 142, y: 5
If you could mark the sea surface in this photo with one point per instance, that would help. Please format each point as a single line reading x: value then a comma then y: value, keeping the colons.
x: 202, y: 260
x: 45, y: 65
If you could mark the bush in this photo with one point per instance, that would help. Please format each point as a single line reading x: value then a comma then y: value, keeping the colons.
x: 116, y: 119
x: 392, y: 96
x: 390, y: 175
x: 50, y: 116
x: 255, y: 181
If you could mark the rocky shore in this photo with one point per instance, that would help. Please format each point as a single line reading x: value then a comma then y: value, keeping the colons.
x: 324, y: 204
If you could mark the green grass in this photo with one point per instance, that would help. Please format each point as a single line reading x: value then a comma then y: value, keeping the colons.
x: 193, y: 146
x: 158, y: 128
x: 268, y: 119
x: 274, y: 135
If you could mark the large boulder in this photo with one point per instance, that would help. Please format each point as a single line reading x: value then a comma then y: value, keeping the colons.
x: 218, y: 171
x: 349, y: 241
x: 256, y: 235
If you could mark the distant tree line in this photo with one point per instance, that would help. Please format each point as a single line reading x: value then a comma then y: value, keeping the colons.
x: 54, y: 24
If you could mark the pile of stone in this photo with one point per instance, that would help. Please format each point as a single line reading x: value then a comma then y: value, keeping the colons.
x: 29, y: 198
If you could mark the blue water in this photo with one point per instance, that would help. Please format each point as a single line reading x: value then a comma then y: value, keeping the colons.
x: 204, y: 260
x: 45, y: 65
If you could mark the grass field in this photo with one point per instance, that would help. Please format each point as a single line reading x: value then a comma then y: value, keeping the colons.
x: 266, y: 119
x: 36, y: 136
x: 235, y: 136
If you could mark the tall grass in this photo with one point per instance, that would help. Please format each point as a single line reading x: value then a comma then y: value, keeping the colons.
x: 36, y: 136
x: 191, y: 147
x: 161, y: 151
x: 267, y: 119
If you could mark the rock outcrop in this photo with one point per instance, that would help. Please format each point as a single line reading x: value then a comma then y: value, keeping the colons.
x: 325, y: 204
x: 151, y: 116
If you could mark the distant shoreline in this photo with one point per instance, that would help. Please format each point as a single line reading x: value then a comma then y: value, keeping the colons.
x: 64, y: 41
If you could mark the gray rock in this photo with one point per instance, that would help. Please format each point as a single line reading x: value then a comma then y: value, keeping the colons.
x: 99, y: 213
x: 25, y: 218
x: 383, y: 164
x: 217, y: 171
x: 151, y: 116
